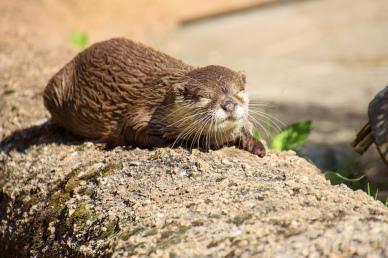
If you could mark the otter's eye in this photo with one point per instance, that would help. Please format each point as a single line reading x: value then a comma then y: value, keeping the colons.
x: 181, y: 92
x: 241, y: 92
x: 204, y: 101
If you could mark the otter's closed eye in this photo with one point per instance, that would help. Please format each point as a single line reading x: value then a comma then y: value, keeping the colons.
x: 204, y: 101
x: 241, y: 93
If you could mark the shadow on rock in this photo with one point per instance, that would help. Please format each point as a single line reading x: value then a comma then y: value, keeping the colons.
x: 46, y: 133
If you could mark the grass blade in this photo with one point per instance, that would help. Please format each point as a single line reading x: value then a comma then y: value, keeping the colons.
x: 352, y: 180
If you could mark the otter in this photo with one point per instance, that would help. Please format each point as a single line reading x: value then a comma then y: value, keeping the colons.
x: 124, y: 93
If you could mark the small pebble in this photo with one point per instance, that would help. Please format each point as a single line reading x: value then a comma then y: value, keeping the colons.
x: 134, y: 163
x: 226, y: 162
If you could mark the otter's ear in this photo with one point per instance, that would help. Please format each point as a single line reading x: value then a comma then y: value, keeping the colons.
x: 243, y: 77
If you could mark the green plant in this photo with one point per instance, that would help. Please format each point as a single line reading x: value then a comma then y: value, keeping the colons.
x: 350, y: 172
x: 79, y: 39
x: 354, y: 183
x: 290, y: 138
x: 332, y: 175
x: 372, y: 193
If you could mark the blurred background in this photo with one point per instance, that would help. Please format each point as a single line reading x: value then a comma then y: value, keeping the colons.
x: 316, y: 60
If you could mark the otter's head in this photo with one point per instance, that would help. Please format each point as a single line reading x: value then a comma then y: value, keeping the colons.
x: 213, y: 100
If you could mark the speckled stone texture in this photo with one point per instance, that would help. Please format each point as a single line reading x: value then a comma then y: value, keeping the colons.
x: 69, y: 198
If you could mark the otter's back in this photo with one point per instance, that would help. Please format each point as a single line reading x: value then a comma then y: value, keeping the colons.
x: 92, y: 93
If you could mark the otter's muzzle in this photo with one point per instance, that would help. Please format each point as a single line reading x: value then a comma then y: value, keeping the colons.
x: 229, y: 106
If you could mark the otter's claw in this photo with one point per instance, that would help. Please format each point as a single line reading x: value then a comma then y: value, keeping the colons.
x: 252, y: 145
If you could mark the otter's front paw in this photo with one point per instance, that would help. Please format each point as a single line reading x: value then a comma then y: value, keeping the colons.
x: 252, y: 145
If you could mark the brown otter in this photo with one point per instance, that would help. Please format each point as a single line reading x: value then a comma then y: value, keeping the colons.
x: 121, y: 92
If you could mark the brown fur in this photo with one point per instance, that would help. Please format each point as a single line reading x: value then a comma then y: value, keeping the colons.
x: 121, y: 92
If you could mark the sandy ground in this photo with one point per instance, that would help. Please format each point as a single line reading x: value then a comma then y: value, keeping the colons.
x: 64, y: 198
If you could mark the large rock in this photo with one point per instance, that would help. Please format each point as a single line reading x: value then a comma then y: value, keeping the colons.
x: 68, y: 198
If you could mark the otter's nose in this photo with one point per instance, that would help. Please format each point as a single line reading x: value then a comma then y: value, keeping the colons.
x: 228, y: 106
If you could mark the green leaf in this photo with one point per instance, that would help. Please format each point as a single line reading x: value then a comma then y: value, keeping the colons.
x: 292, y: 137
x: 368, y: 191
x: 79, y: 39
x: 376, y: 193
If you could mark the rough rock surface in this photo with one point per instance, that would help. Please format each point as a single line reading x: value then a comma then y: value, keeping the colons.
x: 63, y: 197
